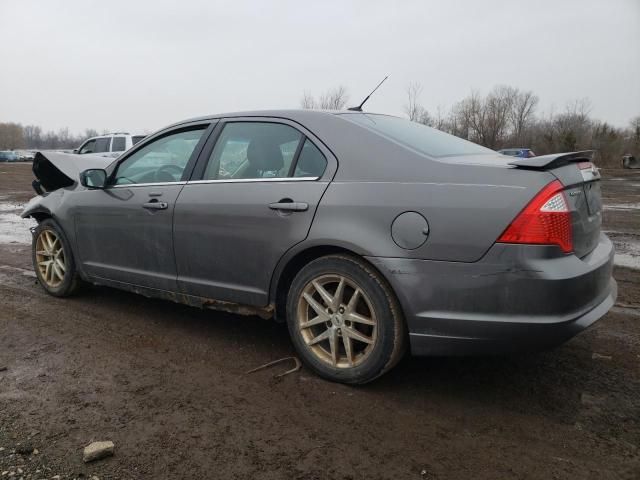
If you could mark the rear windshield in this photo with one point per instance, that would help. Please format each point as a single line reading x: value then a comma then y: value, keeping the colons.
x: 416, y: 136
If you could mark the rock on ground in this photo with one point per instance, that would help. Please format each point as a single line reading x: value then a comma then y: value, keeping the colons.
x: 97, y: 450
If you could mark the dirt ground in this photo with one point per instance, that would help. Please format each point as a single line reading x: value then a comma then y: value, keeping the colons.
x: 167, y: 384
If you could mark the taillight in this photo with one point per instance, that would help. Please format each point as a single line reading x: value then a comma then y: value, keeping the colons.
x: 546, y: 220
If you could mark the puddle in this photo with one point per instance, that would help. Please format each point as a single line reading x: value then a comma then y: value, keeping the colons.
x: 627, y: 250
x: 624, y: 207
x: 14, y: 229
x: 10, y: 207
x: 627, y: 260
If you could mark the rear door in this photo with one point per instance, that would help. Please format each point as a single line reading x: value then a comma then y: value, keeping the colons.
x: 125, y: 231
x: 102, y: 145
x: 253, y: 196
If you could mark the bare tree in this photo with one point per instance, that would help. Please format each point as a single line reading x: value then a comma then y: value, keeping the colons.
x: 90, y: 132
x: 307, y: 101
x: 439, y: 121
x: 333, y: 99
x: 33, y: 136
x: 522, y: 114
x: 485, y: 119
x: 11, y: 136
x: 412, y: 108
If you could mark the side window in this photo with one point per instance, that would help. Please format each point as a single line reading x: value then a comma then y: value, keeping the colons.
x: 136, y: 138
x: 118, y: 144
x: 311, y: 162
x: 253, y: 150
x: 88, y: 147
x: 102, y: 145
x: 162, y: 160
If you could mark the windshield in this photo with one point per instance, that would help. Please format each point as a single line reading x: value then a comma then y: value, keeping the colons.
x: 416, y: 136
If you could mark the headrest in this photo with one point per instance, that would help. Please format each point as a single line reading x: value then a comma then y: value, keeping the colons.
x: 265, y: 155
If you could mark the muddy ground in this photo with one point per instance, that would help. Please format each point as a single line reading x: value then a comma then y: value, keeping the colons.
x: 167, y: 384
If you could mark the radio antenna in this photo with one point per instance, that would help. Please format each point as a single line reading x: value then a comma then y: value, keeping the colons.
x: 359, y: 107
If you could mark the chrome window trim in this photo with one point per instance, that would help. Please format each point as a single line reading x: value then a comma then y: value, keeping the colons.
x: 151, y: 184
x: 254, y: 180
x: 228, y: 180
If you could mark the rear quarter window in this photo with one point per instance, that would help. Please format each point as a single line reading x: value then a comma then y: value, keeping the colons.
x: 311, y: 162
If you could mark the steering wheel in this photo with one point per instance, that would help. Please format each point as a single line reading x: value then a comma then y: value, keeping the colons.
x: 164, y: 173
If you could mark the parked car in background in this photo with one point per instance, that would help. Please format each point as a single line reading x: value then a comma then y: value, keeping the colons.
x: 366, y: 233
x: 25, y: 155
x: 9, y: 156
x: 108, y: 145
x: 518, y: 152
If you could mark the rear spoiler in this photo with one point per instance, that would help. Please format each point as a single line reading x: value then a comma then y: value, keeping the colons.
x: 546, y: 162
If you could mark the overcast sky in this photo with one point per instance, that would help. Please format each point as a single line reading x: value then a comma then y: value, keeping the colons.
x: 139, y: 65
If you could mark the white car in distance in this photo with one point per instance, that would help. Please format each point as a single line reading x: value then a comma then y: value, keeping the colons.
x: 109, y: 144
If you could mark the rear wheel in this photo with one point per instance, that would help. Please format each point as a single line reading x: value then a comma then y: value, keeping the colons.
x: 344, y: 320
x: 53, y: 261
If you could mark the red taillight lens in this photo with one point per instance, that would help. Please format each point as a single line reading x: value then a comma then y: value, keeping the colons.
x: 546, y: 220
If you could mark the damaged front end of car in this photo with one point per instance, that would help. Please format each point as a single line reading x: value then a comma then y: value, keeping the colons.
x: 57, y: 172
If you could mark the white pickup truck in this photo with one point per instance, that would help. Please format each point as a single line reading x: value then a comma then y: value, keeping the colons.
x: 109, y: 144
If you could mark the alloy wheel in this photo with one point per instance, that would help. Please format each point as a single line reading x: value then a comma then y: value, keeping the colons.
x: 50, y: 258
x: 337, y: 321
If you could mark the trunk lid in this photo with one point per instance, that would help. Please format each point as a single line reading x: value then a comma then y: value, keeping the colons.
x: 581, y: 180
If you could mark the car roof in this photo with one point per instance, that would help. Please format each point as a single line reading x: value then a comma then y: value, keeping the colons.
x: 298, y: 114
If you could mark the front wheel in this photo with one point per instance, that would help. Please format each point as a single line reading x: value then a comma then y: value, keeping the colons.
x: 344, y: 320
x: 53, y: 260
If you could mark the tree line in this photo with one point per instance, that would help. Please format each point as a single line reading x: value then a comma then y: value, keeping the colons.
x: 503, y: 118
x: 14, y: 136
x: 508, y: 117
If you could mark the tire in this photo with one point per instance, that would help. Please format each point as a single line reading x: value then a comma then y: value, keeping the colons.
x: 342, y: 335
x: 53, y: 260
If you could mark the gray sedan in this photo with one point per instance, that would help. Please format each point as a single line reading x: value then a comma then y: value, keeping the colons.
x: 367, y: 234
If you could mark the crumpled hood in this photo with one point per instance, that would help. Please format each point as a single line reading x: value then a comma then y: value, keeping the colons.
x: 58, y: 170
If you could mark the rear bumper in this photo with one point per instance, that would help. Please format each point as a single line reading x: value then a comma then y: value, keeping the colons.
x: 517, y: 298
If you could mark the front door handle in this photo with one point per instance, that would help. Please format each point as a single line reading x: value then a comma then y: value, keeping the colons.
x: 155, y: 205
x: 288, y: 205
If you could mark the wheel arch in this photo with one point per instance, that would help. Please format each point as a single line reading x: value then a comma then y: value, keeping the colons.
x: 40, y: 215
x: 292, y: 263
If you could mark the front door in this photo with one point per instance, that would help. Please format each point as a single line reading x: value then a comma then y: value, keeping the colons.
x: 254, y: 200
x: 125, y: 231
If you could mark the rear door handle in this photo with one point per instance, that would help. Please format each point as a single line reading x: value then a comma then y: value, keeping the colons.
x: 155, y: 205
x: 289, y: 206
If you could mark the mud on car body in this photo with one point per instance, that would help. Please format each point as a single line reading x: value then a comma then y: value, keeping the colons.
x: 368, y: 234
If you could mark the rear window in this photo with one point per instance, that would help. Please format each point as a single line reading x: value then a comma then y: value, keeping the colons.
x: 416, y: 136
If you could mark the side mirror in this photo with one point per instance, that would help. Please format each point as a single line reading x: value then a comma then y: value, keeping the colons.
x: 75, y: 150
x: 93, y: 178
